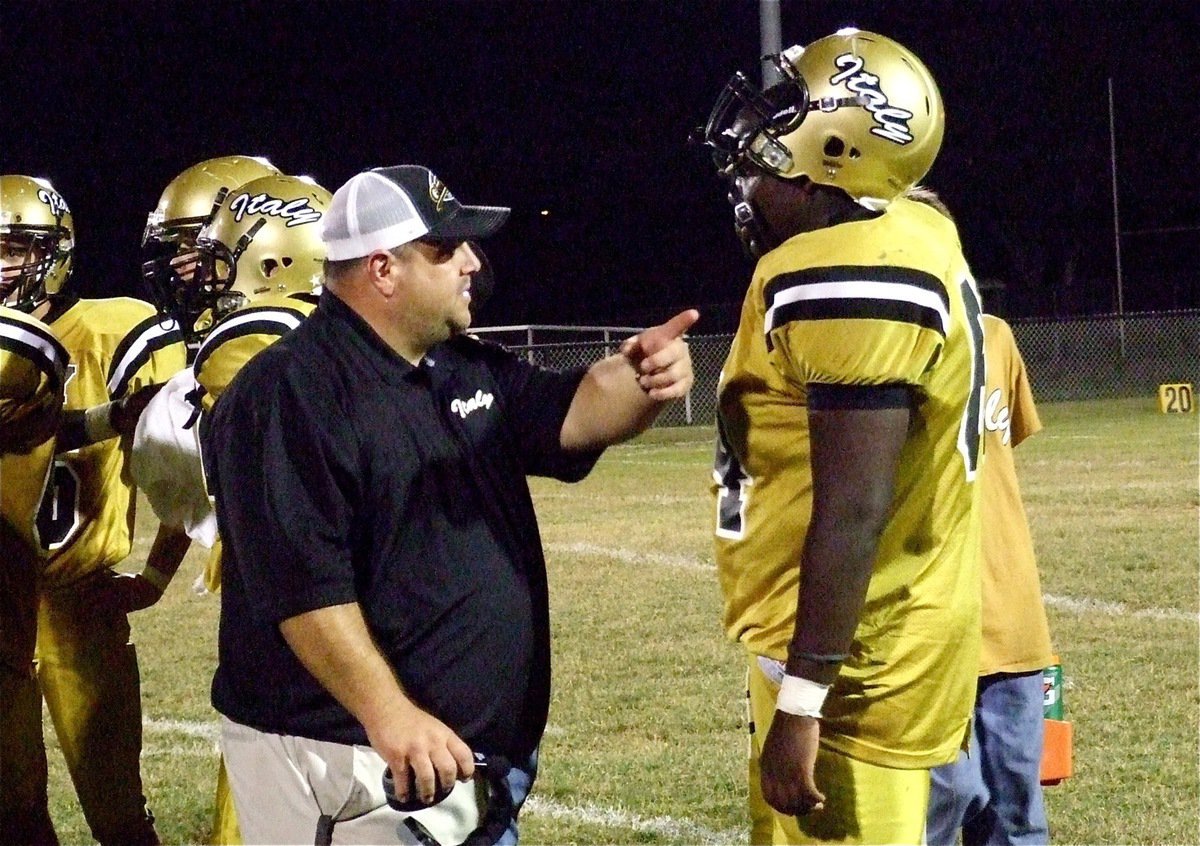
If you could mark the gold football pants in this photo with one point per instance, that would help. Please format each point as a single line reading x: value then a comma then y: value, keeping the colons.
x: 225, y: 825
x: 89, y: 676
x: 24, y: 814
x: 864, y: 803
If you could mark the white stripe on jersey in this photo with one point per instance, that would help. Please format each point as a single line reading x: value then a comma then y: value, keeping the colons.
x: 290, y: 319
x: 860, y: 290
x: 34, y: 338
x: 136, y: 351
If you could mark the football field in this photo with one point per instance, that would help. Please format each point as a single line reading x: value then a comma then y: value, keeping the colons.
x: 647, y: 736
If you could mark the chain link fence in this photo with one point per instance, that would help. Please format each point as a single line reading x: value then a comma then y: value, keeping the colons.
x: 1095, y: 357
x: 1108, y: 356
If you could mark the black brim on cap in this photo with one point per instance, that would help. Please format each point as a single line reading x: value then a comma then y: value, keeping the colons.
x: 470, y: 223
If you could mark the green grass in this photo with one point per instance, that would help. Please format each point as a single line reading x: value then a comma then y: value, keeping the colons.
x: 647, y: 738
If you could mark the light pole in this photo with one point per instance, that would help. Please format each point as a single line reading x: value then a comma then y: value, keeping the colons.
x: 1112, y: 158
x: 770, y: 39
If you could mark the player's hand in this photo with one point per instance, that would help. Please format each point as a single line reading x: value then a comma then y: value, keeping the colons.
x: 661, y: 357
x: 128, y: 592
x: 786, y: 769
x: 426, y: 757
x: 125, y: 413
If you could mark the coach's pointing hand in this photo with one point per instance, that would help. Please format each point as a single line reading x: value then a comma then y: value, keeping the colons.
x: 661, y: 357
x: 620, y: 395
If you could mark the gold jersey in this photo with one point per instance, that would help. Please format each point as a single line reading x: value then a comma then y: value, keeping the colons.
x: 235, y: 340
x: 240, y: 336
x: 117, y: 346
x: 33, y: 369
x: 1016, y: 634
x: 883, y: 301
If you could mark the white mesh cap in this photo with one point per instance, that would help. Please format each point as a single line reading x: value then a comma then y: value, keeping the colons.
x: 383, y: 208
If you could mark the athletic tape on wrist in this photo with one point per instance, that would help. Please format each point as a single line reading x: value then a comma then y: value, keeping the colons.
x: 97, y: 423
x: 157, y: 578
x: 801, y: 697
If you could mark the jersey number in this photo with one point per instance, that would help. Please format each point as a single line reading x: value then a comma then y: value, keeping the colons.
x: 733, y: 488
x: 969, y: 436
x: 58, y: 514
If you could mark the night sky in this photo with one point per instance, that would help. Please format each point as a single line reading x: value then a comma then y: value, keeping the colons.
x: 583, y: 109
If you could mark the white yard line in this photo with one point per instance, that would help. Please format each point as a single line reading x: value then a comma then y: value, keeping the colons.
x: 1073, y: 605
x: 642, y: 462
x: 682, y: 830
x: 212, y: 731
x: 634, y: 556
x: 622, y: 499
x: 1070, y: 604
x: 205, y: 731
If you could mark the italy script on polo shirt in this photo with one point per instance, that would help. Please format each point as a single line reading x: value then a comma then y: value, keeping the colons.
x: 463, y: 407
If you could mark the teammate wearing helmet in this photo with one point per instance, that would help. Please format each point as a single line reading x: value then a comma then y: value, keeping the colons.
x: 188, y: 203
x: 847, y: 535
x: 255, y: 267
x: 87, y: 666
x: 38, y: 240
x: 33, y: 367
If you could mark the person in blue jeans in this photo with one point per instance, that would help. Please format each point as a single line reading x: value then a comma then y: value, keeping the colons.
x: 993, y: 792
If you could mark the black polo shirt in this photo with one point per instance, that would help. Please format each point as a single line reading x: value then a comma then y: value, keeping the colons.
x: 342, y: 473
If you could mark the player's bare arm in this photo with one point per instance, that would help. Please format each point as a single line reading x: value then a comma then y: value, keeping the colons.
x: 335, y: 646
x: 136, y: 591
x: 622, y: 395
x: 855, y: 453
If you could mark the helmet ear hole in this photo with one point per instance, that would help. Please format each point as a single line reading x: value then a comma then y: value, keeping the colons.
x: 834, y: 147
x: 268, y: 267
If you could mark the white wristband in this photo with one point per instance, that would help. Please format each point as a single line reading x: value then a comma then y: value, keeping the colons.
x: 97, y: 423
x: 801, y: 697
x: 157, y: 578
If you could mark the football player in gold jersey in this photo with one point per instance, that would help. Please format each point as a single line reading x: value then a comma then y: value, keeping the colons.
x: 87, y: 666
x: 256, y: 265
x: 33, y: 367
x: 847, y: 536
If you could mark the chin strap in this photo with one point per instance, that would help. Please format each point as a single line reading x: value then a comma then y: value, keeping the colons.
x: 756, y: 238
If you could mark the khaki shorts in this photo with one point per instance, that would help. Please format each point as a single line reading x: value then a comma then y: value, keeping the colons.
x: 283, y: 784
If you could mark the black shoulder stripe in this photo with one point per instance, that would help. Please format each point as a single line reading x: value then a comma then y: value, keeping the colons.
x: 136, y: 348
x: 40, y: 347
x: 862, y: 309
x: 876, y: 293
x: 264, y: 320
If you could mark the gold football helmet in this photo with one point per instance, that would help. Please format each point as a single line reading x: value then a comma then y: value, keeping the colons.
x: 189, y: 202
x: 37, y: 238
x: 854, y: 110
x: 265, y: 238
